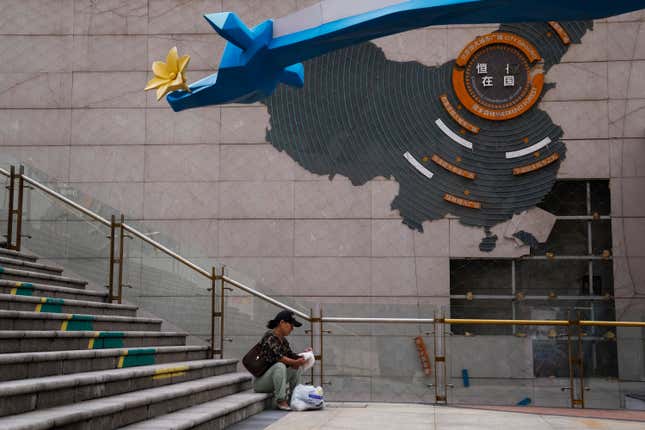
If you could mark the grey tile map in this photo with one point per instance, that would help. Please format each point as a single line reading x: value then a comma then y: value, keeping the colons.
x: 359, y: 113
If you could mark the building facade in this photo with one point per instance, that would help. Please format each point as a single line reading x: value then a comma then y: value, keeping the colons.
x: 322, y: 227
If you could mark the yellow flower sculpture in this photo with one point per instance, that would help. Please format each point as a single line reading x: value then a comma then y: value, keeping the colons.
x: 169, y: 76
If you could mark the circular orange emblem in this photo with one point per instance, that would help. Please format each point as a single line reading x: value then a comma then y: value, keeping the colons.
x: 498, y: 76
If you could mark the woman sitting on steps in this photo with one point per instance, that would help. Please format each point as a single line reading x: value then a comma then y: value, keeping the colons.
x: 286, y: 366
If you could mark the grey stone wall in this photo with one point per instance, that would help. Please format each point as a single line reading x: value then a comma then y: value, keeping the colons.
x: 72, y: 105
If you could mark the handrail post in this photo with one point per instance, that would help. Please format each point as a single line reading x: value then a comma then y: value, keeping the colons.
x: 112, y: 262
x: 322, y: 336
x: 121, y: 237
x: 439, y: 331
x: 12, y: 175
x: 221, y: 319
x: 311, y: 338
x: 576, y: 394
x: 211, y: 353
x: 581, y: 367
x: 21, y: 189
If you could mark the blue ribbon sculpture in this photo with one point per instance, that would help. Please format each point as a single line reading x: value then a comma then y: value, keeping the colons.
x: 256, y: 60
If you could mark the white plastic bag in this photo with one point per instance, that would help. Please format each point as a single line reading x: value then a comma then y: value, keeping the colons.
x: 309, y: 360
x: 306, y: 397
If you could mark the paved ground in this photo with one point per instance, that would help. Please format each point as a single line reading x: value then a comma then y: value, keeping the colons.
x: 347, y: 416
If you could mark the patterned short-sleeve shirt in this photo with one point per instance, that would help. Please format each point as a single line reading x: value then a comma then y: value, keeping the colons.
x: 274, y: 348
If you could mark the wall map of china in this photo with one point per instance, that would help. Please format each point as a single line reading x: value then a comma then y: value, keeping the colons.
x: 363, y: 116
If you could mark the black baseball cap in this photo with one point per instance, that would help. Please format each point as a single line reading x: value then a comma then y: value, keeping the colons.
x: 286, y: 316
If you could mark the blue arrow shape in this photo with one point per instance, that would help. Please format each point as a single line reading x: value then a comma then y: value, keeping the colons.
x: 254, y: 62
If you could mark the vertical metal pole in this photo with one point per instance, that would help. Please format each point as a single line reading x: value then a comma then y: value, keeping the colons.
x: 211, y: 354
x: 445, y: 353
x: 589, y: 240
x: 121, y: 237
x: 112, y: 262
x: 514, y: 291
x: 322, y: 362
x: 311, y: 338
x: 21, y: 189
x: 581, y: 368
x: 12, y: 175
x: 221, y: 318
x: 436, y: 365
x: 571, y: 364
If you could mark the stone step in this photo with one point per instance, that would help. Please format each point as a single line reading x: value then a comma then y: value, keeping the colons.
x: 42, y: 320
x: 29, y: 276
x: 124, y: 409
x: 19, y: 255
x: 12, y: 341
x: 17, y: 288
x: 68, y: 306
x: 40, y: 364
x: 217, y: 414
x: 18, y: 397
x: 13, y: 263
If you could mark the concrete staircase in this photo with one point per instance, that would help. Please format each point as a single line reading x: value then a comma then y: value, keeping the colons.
x: 71, y: 360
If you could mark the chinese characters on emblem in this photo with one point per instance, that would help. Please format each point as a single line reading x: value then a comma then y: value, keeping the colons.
x: 509, y: 77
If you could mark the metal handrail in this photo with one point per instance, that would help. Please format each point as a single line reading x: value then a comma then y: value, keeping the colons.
x: 4, y: 172
x: 265, y: 297
x: 279, y: 304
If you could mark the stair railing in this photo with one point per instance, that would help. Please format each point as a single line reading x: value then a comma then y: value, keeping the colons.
x: 440, y: 324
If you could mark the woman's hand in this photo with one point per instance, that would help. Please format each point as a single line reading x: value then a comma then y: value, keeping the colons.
x: 297, y: 363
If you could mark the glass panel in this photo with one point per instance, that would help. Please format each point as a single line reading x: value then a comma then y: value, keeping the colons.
x: 481, y: 309
x: 601, y: 237
x: 500, y: 370
x: 566, y: 238
x: 64, y: 237
x: 566, y: 198
x: 4, y: 207
x: 563, y: 277
x: 480, y: 276
x: 600, y: 197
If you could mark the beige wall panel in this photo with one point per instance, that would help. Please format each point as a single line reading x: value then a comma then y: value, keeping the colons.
x: 332, y: 238
x: 392, y: 238
x: 256, y: 238
x: 108, y: 127
x: 32, y: 54
x: 106, y: 163
x: 256, y: 199
x: 255, y: 163
x: 627, y: 157
x: 627, y: 118
x: 180, y: 200
x: 332, y: 199
x: 577, y: 81
x: 110, y: 17
x: 165, y: 127
x: 111, y: 53
x: 585, y: 159
x: 39, y: 127
x: 181, y: 163
x: 333, y: 276
x: 109, y: 89
x: 579, y: 119
x: 35, y: 90
x: 37, y: 17
x: 52, y: 160
x: 180, y: 16
x: 244, y: 124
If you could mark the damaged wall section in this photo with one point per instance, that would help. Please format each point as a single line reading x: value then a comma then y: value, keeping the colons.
x: 569, y: 274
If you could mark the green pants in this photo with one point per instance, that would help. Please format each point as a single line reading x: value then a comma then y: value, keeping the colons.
x: 275, y: 381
